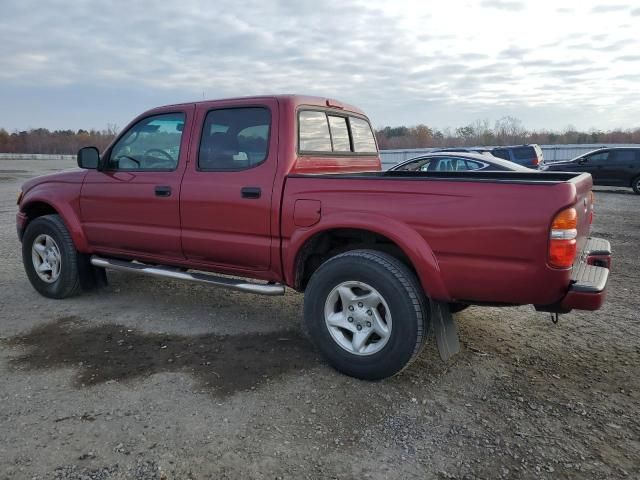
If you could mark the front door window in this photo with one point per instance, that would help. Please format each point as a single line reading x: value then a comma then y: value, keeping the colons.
x: 152, y: 144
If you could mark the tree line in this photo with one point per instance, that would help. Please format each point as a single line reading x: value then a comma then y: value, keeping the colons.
x: 505, y: 131
x: 42, y: 140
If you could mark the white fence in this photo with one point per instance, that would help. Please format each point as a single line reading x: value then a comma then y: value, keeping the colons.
x: 551, y: 153
x: 35, y: 156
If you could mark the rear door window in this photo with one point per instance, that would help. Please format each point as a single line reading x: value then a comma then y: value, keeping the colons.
x: 454, y: 164
x: 234, y: 138
x: 501, y: 153
x: 524, y: 153
x: 625, y: 156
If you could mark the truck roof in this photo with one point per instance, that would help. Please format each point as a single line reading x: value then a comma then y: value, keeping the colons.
x: 294, y: 100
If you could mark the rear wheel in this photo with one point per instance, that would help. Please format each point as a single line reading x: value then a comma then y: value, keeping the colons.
x: 635, y: 184
x: 365, y: 311
x: 50, y: 258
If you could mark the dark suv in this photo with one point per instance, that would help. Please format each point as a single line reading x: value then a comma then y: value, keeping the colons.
x: 615, y: 167
x: 526, y: 155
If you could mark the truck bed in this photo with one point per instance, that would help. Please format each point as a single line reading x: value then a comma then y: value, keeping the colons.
x: 479, y: 237
x: 533, y: 177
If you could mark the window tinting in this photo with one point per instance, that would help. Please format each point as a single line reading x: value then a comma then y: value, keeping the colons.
x: 598, y: 157
x: 625, y: 155
x: 314, y: 132
x: 363, y: 141
x: 452, y: 164
x: 339, y: 134
x: 501, y: 153
x: 416, y: 166
x: 151, y: 144
x: 524, y: 153
x: 234, y: 138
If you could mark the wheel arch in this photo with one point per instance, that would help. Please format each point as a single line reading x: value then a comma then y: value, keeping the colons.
x: 309, y: 248
x: 34, y: 206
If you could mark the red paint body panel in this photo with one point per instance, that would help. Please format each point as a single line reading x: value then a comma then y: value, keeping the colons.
x: 481, y: 242
x: 474, y: 241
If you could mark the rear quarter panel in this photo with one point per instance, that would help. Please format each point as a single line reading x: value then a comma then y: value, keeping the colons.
x: 469, y: 240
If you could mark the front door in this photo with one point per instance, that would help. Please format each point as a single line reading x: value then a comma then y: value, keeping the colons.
x: 596, y: 164
x: 226, y: 197
x: 131, y: 206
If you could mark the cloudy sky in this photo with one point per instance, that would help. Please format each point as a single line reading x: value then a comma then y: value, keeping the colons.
x: 83, y: 64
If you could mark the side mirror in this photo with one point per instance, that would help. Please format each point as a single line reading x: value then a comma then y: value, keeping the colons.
x: 583, y: 160
x: 88, y: 157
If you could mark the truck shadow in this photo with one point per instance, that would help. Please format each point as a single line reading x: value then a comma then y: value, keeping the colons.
x: 222, y: 364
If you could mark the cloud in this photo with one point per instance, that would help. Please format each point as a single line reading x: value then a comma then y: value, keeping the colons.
x: 635, y: 12
x: 401, y: 62
x: 609, y: 8
x: 628, y: 58
x: 510, y: 5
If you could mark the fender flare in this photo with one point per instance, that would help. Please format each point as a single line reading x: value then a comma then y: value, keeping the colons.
x: 65, y: 209
x: 414, y: 246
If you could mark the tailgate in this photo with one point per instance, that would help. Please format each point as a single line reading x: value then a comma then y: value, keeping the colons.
x: 584, y: 208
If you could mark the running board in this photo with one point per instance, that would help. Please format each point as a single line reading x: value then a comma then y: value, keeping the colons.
x: 168, y: 272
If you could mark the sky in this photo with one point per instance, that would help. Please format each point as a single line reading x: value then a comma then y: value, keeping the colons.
x: 88, y: 64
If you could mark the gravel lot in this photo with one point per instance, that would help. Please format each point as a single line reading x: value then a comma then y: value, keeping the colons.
x: 153, y: 379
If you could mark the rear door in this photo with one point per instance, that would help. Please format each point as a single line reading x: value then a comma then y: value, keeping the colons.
x: 131, y: 206
x: 226, y: 198
x: 620, y: 167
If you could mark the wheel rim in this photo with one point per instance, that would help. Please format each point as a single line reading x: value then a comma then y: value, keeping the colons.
x: 46, y: 258
x: 358, y: 318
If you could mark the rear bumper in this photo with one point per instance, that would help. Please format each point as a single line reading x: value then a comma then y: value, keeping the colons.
x: 589, y: 277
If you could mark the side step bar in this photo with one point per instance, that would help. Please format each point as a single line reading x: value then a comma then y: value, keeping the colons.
x: 168, y: 272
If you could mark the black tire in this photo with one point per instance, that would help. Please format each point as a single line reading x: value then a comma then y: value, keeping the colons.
x: 404, y: 296
x: 635, y: 184
x: 68, y: 281
x: 455, y: 307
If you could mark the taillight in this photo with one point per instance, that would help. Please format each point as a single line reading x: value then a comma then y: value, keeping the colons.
x: 536, y: 160
x: 562, y: 244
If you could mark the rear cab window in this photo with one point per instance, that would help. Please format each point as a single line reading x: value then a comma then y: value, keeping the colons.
x: 328, y: 133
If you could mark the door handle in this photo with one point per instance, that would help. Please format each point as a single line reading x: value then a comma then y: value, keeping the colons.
x: 163, y: 191
x: 251, y: 192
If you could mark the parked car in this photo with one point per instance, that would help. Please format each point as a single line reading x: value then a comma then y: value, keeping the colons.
x: 526, y: 155
x: 287, y: 191
x: 615, y: 167
x: 456, y: 162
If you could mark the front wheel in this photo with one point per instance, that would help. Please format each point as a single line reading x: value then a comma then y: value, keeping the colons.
x: 635, y: 184
x: 365, y: 311
x: 50, y: 258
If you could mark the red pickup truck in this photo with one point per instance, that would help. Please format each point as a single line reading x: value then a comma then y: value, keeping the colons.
x: 287, y: 190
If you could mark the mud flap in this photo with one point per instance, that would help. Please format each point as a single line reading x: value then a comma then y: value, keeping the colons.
x: 91, y: 278
x: 444, y: 327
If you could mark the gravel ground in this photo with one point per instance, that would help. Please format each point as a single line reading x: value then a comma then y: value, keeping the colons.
x: 154, y: 379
